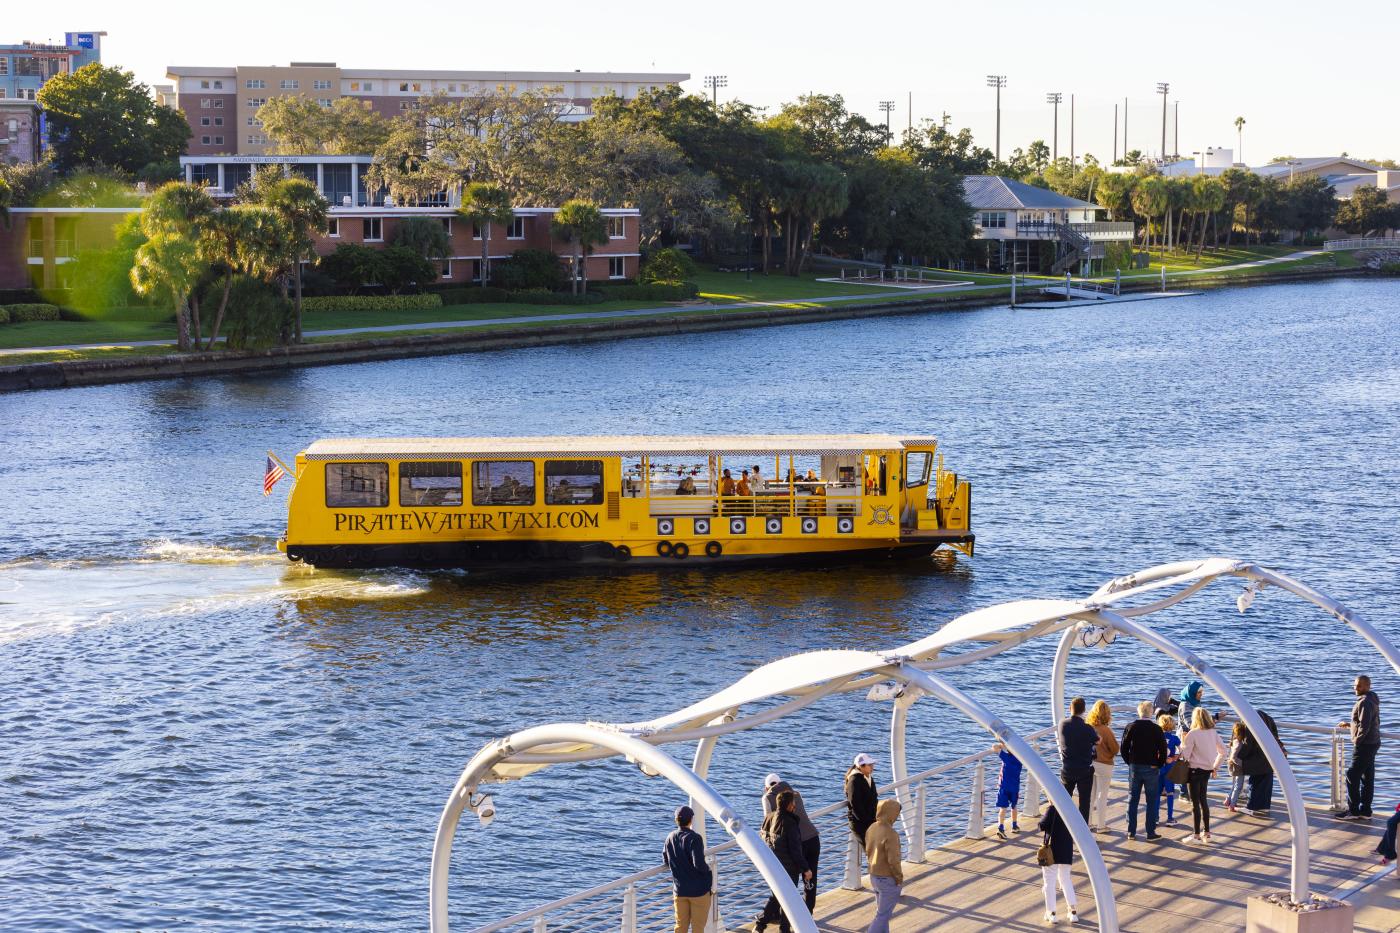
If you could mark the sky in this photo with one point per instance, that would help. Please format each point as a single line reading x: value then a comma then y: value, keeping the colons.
x: 1297, y: 74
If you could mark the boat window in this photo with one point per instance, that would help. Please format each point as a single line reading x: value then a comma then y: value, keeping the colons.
x: 573, y: 482
x: 503, y: 482
x: 357, y: 485
x: 437, y: 482
x: 918, y: 467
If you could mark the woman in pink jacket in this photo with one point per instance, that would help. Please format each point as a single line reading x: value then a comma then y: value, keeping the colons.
x: 1203, y: 751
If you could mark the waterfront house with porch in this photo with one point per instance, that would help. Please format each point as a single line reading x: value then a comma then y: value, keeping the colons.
x: 1022, y: 228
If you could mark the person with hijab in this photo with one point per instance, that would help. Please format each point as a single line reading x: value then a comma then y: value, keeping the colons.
x: 811, y: 839
x: 784, y: 836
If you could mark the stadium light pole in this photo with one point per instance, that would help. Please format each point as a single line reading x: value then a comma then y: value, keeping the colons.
x: 1053, y: 98
x: 714, y: 83
x: 1163, y: 88
x: 998, y: 82
x: 887, y: 108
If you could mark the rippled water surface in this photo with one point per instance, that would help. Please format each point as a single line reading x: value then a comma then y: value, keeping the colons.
x: 196, y: 734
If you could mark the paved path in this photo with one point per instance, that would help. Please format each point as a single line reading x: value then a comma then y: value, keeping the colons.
x: 1171, y: 885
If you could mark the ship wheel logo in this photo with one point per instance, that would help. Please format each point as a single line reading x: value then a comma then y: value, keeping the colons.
x: 880, y: 515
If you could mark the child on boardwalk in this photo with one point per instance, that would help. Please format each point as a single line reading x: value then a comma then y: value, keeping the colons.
x: 1008, y: 790
x: 1386, y: 849
x: 1168, y: 725
x: 1237, y: 779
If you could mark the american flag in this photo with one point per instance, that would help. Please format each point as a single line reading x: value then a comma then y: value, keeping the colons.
x: 273, y: 474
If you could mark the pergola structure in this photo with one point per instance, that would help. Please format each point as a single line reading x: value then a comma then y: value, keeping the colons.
x: 801, y: 680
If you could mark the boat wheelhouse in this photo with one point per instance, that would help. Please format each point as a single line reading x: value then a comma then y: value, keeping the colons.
x: 521, y: 501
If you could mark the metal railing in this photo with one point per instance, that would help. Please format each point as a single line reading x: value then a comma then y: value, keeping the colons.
x: 1094, y: 230
x: 756, y: 506
x: 641, y: 902
x: 62, y: 249
x: 1364, y: 242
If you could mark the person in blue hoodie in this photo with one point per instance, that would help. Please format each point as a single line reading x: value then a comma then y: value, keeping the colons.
x: 684, y: 854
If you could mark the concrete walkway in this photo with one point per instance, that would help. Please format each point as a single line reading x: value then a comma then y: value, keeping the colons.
x: 1167, y: 886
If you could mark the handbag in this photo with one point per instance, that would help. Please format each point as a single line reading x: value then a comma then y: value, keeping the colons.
x: 1045, y: 856
x: 1179, y: 771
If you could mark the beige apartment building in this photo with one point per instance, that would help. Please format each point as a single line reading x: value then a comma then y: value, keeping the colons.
x: 221, y: 104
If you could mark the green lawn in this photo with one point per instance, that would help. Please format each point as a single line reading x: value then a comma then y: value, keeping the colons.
x: 55, y: 333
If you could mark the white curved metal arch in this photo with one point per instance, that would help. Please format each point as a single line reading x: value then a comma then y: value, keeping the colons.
x: 635, y: 750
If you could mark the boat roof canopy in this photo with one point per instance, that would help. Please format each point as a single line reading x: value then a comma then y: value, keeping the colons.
x: 429, y: 448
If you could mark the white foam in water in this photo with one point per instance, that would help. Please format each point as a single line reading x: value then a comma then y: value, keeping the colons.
x: 192, y: 553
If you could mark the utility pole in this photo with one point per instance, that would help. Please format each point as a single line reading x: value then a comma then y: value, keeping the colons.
x: 714, y: 83
x: 1071, y: 132
x: 1125, y: 128
x: 1115, y: 134
x: 887, y: 107
x: 1163, y: 88
x: 1054, y: 98
x: 911, y: 111
x: 946, y: 120
x: 1176, y: 129
x: 998, y: 82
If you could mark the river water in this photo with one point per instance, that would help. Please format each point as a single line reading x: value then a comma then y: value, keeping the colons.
x: 198, y: 735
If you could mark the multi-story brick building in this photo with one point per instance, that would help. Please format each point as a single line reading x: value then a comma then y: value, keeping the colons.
x: 41, y: 241
x: 221, y: 104
x: 24, y: 68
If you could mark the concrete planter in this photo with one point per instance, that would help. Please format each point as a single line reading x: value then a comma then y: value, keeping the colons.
x: 1275, y: 913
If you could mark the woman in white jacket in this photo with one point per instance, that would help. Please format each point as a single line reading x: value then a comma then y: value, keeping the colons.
x: 1203, y: 751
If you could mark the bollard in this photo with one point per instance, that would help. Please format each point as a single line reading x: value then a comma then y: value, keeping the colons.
x: 1066, y: 286
x: 1013, y: 289
x: 1117, y: 282
x: 976, y: 824
x: 1164, y: 278
x: 843, y: 273
x: 882, y: 273
x: 916, y: 847
x: 1336, y: 769
x: 629, y: 909
x: 852, y: 880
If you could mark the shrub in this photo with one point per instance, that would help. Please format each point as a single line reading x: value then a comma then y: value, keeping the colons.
x: 256, y: 312
x: 20, y: 314
x: 19, y: 296
x: 541, y: 296
x: 527, y: 269
x: 426, y: 236
x: 101, y: 279
x: 473, y: 296
x: 424, y: 302
x: 669, y: 265
x: 4, y: 315
x: 404, y: 267
x: 668, y: 291
x: 1390, y: 268
x: 351, y: 266
x: 127, y: 313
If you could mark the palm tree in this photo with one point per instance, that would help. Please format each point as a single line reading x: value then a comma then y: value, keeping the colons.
x: 1150, y: 200
x: 582, y: 224
x: 170, y: 260
x: 1239, y: 137
x: 303, y: 211
x: 1211, y: 199
x: 246, y: 239
x: 483, y: 205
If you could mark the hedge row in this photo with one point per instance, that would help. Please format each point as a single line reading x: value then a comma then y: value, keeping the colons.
x: 425, y: 302
x: 526, y: 296
x: 659, y: 291
x: 19, y: 314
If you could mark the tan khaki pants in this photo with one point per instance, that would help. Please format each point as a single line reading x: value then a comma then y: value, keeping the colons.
x: 692, y: 913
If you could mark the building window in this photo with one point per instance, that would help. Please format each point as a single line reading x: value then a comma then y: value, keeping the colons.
x: 324, y: 102
x: 256, y: 102
x: 374, y: 229
x: 447, y: 225
x: 369, y: 85
x: 204, y: 85
x: 333, y: 226
x: 204, y: 140
x: 503, y: 482
x: 476, y: 232
x: 447, y: 269
x: 357, y: 485
x: 218, y: 103
x: 617, y: 228
x: 204, y: 102
x: 321, y: 85
x: 290, y: 84
x: 254, y: 121
x: 573, y: 482
x: 417, y: 87
x: 218, y: 121
x: 4, y: 65
x: 452, y: 89
x: 218, y: 140
x: 218, y: 85
x: 203, y: 121
x: 403, y: 85
x: 476, y: 270
x: 993, y: 220
x: 430, y: 483
x: 257, y: 139
x: 408, y: 105
x: 516, y: 229
x: 617, y: 267
x: 354, y: 85
x: 255, y: 84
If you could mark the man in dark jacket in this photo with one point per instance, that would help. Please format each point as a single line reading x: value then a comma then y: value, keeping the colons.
x: 811, y: 839
x: 861, y: 795
x: 1144, y: 749
x: 1254, y: 764
x: 684, y: 854
x: 783, y: 834
x: 1365, y: 727
x: 1077, y: 741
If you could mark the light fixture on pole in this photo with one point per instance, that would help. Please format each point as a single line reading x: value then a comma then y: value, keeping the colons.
x: 1163, y: 88
x: 1053, y: 98
x: 1071, y: 132
x: 714, y: 83
x: 887, y: 108
x: 998, y: 82
x: 1115, y: 135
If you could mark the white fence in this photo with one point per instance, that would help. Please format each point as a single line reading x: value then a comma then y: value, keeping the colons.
x: 1365, y: 242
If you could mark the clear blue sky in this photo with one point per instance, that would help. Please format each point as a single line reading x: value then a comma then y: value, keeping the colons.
x: 1301, y: 75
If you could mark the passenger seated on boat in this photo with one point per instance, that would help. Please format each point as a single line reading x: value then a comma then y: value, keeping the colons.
x: 816, y: 504
x: 744, y: 489
x: 756, y: 481
x: 726, y: 484
x: 562, y: 494
x: 686, y: 487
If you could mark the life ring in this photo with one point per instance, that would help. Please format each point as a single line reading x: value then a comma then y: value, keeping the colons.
x: 680, y: 551
x: 714, y: 549
x: 623, y: 553
x: 663, y: 549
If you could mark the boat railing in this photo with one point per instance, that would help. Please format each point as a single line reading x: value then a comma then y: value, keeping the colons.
x: 944, y: 803
x: 757, y: 506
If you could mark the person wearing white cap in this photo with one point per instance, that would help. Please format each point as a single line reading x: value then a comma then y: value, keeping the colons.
x: 811, y: 839
x: 861, y: 795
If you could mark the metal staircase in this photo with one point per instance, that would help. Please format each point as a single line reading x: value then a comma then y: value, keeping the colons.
x: 1074, y: 248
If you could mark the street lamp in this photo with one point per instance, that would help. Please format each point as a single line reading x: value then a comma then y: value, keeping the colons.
x: 887, y: 107
x: 1163, y: 88
x: 1054, y: 97
x: 714, y: 83
x: 998, y: 82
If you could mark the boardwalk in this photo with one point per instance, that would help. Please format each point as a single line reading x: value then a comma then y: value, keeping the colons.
x: 1171, y: 885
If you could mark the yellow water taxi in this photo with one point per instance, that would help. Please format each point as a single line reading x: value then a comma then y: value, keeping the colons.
x: 710, y: 500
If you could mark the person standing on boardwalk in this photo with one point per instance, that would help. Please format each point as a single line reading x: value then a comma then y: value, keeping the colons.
x: 1386, y: 848
x: 1077, y: 742
x: 1188, y: 700
x: 861, y: 795
x: 1365, y: 742
x: 1254, y: 764
x: 811, y: 839
x: 1061, y: 846
x: 1238, y: 779
x: 684, y: 854
x: 784, y: 836
x: 1104, y: 754
x: 886, y: 857
x: 1203, y: 751
x: 1144, y: 750
x: 1168, y: 725
x: 1008, y: 790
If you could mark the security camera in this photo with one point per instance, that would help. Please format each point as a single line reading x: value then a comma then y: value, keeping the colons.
x: 485, y: 810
